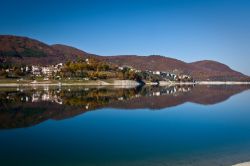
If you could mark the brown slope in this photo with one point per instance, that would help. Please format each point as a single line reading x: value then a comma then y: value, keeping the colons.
x: 201, y: 70
x: 23, y: 50
x: 212, y: 70
x: 71, y: 53
x: 212, y: 65
x: 18, y: 46
x: 152, y: 62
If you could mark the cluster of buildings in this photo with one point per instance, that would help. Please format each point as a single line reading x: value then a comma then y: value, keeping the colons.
x: 172, y: 76
x: 46, y: 71
x: 164, y: 74
x: 37, y: 71
x: 129, y: 68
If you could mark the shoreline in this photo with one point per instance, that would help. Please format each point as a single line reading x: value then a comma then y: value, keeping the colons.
x: 131, y: 83
x: 163, y: 83
x: 222, y: 83
x: 125, y: 83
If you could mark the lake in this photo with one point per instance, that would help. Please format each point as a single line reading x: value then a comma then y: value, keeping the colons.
x: 150, y: 125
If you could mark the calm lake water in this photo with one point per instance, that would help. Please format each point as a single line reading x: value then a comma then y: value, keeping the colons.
x: 187, y: 125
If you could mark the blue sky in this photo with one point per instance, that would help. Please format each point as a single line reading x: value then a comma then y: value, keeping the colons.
x: 188, y: 30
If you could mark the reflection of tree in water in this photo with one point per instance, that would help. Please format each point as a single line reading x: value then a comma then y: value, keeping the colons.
x: 26, y: 107
x: 66, y: 96
x: 94, y: 98
x: 22, y: 107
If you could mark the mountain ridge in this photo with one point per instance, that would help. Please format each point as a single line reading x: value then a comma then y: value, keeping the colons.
x: 24, y: 50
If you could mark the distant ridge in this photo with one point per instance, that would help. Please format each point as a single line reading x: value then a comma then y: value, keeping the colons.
x: 23, y: 50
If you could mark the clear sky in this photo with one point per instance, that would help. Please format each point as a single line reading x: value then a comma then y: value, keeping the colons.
x: 188, y: 30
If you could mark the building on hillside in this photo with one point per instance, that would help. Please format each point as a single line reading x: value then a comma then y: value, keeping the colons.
x: 157, y: 72
x: 27, y: 68
x: 58, y: 67
x: 120, y: 68
x: 87, y: 61
x: 36, y: 70
x: 137, y: 71
x: 48, y: 71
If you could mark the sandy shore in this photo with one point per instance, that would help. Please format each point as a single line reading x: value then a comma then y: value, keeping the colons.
x: 242, y: 164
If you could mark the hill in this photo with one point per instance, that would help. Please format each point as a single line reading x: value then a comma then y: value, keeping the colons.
x: 201, y: 70
x: 23, y: 50
x: 71, y: 53
x: 152, y: 62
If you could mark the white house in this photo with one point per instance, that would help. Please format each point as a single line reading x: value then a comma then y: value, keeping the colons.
x: 47, y: 71
x: 36, y: 70
x: 157, y: 72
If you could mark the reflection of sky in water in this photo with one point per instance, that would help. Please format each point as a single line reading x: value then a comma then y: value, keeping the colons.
x: 189, y: 133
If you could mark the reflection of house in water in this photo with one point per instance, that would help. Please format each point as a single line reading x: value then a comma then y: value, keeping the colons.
x: 47, y: 96
x: 120, y: 98
x: 90, y: 98
x: 169, y: 90
x: 184, y: 89
x: 15, y: 105
x: 87, y: 106
x: 156, y: 93
x: 25, y: 99
x: 86, y: 89
x: 46, y: 88
x: 51, y: 98
x: 35, y: 97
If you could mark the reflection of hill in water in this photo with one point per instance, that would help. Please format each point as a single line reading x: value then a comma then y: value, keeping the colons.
x: 28, y: 107
x: 200, y: 94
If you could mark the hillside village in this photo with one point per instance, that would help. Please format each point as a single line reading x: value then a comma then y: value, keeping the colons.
x: 88, y: 69
x: 18, y: 55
